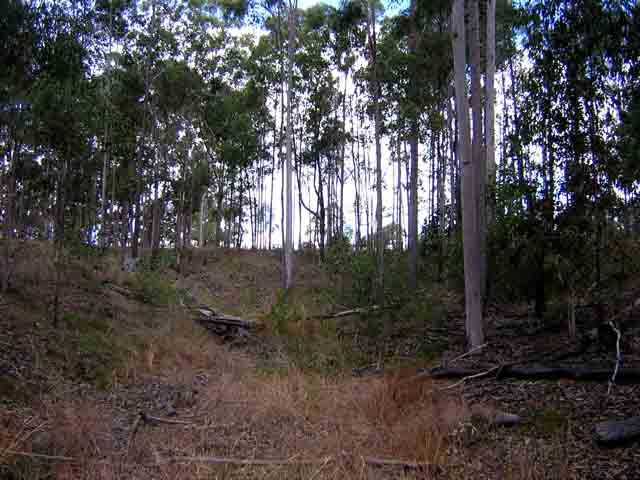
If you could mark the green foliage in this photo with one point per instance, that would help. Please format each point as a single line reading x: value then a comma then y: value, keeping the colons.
x: 154, y: 288
x: 91, y: 346
x: 282, y: 315
x: 314, y: 346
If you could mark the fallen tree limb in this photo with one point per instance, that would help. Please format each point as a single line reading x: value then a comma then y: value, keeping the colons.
x: 616, y: 369
x: 40, y: 456
x: 244, y: 461
x: 122, y: 290
x: 256, y: 462
x: 391, y: 462
x: 151, y: 419
x: 613, y: 432
x: 537, y: 373
x: 353, y: 311
x: 210, y: 317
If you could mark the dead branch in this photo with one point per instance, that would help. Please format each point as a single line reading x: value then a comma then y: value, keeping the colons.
x: 466, y: 378
x: 151, y: 419
x: 391, y: 462
x: 134, y: 430
x: 121, y: 290
x: 210, y: 317
x: 464, y: 355
x: 54, y: 458
x: 536, y: 373
x: 613, y: 432
x: 351, y: 312
x: 373, y: 461
x: 244, y: 461
x: 612, y: 381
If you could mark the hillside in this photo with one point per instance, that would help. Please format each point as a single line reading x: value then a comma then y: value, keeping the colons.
x: 129, y: 385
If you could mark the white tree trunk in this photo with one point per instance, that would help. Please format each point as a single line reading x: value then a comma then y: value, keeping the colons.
x: 288, y: 247
x: 375, y: 87
x: 490, y: 97
x: 471, y: 238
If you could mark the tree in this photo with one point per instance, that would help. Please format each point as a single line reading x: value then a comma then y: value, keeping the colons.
x: 288, y: 247
x: 471, y: 235
x: 377, y: 119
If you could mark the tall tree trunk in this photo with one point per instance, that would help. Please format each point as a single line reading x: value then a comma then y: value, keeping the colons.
x: 377, y: 134
x: 479, y: 159
x: 288, y: 246
x: 9, y: 228
x: 204, y: 216
x: 490, y: 97
x: 471, y: 239
x: 105, y: 170
x: 412, y: 207
x: 399, y: 194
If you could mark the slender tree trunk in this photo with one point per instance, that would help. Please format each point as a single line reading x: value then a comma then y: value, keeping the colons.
x: 105, y: 170
x: 399, y: 194
x: 204, y: 214
x: 288, y: 246
x: 452, y: 167
x: 471, y: 239
x: 479, y: 159
x: 9, y: 228
x: 490, y: 97
x: 377, y: 133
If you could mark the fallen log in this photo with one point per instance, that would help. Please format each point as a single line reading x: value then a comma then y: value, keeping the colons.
x: 208, y: 316
x: 242, y: 461
x: 627, y: 375
x: 351, y: 312
x: 615, y: 432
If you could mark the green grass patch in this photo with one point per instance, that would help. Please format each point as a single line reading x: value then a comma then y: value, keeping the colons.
x: 313, y: 345
x: 90, y: 348
x: 548, y: 422
x: 154, y: 289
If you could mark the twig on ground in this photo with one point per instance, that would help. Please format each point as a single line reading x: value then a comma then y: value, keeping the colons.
x: 57, y: 458
x: 486, y: 373
x: 466, y: 354
x: 150, y: 418
x: 618, y: 356
x: 392, y: 462
x: 245, y: 461
x: 134, y: 430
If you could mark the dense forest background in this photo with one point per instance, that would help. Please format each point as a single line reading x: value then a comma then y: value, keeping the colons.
x: 159, y: 126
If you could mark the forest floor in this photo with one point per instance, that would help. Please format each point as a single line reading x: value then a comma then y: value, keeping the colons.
x: 129, y: 385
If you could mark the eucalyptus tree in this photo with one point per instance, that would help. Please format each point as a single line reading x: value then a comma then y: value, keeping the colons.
x: 376, y: 94
x: 470, y: 210
x: 324, y: 132
x: 571, y: 116
x: 416, y: 71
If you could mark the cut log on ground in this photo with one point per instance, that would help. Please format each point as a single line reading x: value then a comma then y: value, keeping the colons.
x: 539, y: 373
x: 226, y: 326
x: 616, y: 432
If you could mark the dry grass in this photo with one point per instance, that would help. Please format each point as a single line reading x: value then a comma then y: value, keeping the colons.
x: 337, y: 424
x: 73, y: 430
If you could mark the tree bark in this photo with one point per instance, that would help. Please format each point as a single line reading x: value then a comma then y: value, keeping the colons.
x: 375, y: 87
x: 479, y: 159
x: 490, y: 97
x: 471, y: 238
x: 288, y: 247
